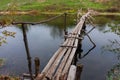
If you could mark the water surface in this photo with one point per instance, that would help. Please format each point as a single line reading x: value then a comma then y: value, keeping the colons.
x: 44, y: 40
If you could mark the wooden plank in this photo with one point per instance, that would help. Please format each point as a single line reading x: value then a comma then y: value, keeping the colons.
x: 80, y: 38
x: 57, y: 61
x: 63, y: 62
x: 72, y: 73
x: 65, y: 70
x: 73, y: 51
x: 48, y: 65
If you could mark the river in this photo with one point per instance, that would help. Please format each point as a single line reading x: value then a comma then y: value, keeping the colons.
x: 44, y: 39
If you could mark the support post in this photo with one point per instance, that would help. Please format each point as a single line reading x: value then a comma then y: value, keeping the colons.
x: 79, y: 71
x: 84, y: 26
x: 65, y: 20
x: 37, y: 66
x: 72, y: 73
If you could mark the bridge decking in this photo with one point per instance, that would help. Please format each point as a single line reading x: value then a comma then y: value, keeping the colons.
x: 59, y: 65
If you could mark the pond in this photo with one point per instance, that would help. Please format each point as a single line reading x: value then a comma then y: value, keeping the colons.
x: 44, y: 39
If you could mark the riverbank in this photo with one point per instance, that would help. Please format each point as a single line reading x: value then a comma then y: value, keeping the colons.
x: 61, y: 6
x: 36, y: 12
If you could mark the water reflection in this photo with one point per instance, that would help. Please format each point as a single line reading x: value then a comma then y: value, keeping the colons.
x: 94, y: 45
x: 113, y: 46
x: 106, y: 21
x: 27, y: 50
x: 79, y: 54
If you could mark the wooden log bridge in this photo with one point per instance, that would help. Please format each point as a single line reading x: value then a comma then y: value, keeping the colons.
x: 59, y: 65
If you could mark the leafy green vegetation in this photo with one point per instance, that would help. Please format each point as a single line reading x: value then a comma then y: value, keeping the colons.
x: 3, y: 37
x: 114, y: 73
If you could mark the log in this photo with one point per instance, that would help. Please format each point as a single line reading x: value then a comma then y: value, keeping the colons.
x: 57, y: 61
x: 63, y: 62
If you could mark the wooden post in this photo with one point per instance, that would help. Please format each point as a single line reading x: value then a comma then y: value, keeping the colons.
x: 72, y: 73
x: 37, y: 66
x: 79, y: 50
x: 65, y: 33
x: 79, y: 71
x: 27, y: 50
x: 84, y: 26
x: 65, y: 20
x: 75, y: 59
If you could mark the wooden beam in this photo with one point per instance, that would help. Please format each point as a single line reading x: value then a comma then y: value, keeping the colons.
x: 68, y: 46
x: 80, y: 38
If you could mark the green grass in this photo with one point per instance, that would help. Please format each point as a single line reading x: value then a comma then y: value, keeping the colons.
x: 3, y: 3
x: 64, y: 5
x: 55, y: 5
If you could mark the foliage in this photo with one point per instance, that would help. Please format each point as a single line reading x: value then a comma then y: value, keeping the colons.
x: 114, y: 27
x: 115, y: 3
x: 4, y: 35
x: 13, y: 6
x: 114, y: 73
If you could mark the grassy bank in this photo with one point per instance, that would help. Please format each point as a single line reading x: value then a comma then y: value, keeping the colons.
x: 70, y: 6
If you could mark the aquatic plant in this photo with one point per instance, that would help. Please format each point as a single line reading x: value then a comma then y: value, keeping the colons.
x: 2, y: 61
x: 114, y: 73
x: 4, y: 34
